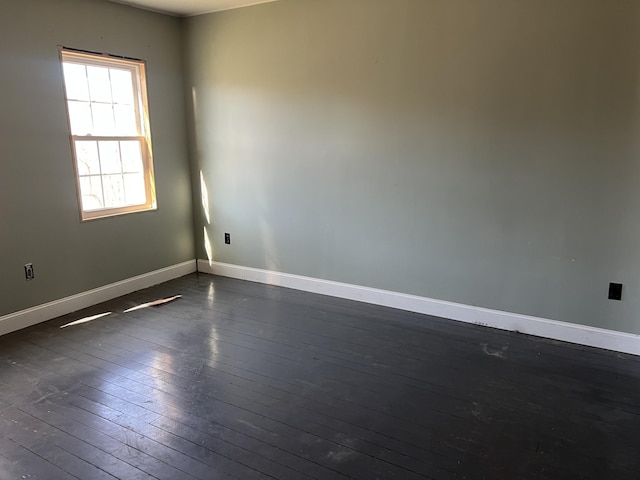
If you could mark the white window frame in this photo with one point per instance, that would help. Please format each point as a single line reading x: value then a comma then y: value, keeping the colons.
x: 138, y: 70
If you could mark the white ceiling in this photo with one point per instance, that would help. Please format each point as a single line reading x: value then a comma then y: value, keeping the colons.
x: 190, y: 7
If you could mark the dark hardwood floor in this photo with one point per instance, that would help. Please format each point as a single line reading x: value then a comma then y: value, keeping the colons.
x: 247, y: 381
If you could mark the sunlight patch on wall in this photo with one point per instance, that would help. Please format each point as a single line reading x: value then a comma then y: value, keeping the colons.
x: 204, y: 192
x: 207, y: 246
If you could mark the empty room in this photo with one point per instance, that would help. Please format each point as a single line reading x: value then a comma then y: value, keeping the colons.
x: 319, y: 239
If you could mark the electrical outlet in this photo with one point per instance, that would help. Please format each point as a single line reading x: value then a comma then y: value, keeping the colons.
x: 615, y: 291
x: 29, y: 274
x: 227, y: 238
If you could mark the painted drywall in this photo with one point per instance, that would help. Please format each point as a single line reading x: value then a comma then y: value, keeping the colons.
x: 39, y: 219
x: 484, y: 153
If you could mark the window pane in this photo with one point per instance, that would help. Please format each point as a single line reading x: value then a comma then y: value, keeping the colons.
x: 135, y: 189
x: 87, y: 158
x: 107, y: 117
x: 125, y: 119
x: 75, y: 80
x: 99, y: 84
x: 121, y: 86
x: 80, y: 118
x: 113, y: 190
x: 110, y: 157
x: 91, y: 190
x: 102, y: 119
x: 131, y: 157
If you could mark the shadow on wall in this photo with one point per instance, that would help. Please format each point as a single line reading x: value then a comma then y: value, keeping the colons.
x: 423, y: 147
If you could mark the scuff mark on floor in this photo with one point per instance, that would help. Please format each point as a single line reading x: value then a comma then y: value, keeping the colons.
x: 478, y: 412
x: 250, y: 425
x: 340, y: 454
x: 343, y: 451
x: 494, y: 352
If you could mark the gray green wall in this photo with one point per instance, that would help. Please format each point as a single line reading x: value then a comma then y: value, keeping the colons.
x: 482, y: 152
x: 39, y: 219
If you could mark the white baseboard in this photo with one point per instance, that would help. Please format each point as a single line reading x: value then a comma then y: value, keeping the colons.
x: 541, y: 327
x: 41, y: 313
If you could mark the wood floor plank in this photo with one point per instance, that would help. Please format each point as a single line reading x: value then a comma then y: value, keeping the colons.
x: 243, y: 380
x: 92, y: 447
x: 21, y: 463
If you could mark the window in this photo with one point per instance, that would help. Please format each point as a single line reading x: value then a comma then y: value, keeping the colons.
x: 107, y: 108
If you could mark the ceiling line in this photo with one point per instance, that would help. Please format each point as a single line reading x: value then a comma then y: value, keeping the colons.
x: 162, y: 8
